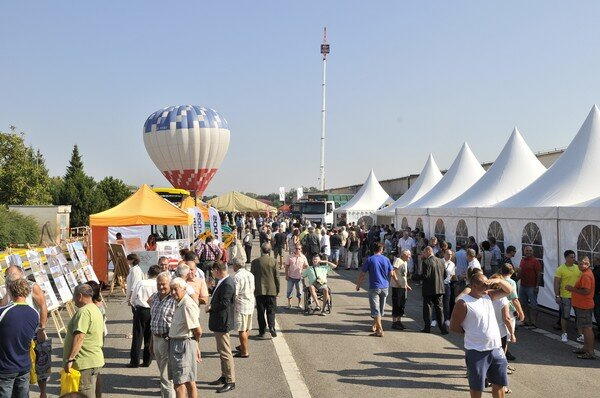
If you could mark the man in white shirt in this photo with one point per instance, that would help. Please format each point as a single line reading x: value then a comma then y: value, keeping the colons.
x: 244, y: 305
x: 406, y: 242
x: 474, y: 317
x: 472, y: 259
x: 135, y: 274
x: 141, y: 292
x: 450, y: 269
x: 400, y: 288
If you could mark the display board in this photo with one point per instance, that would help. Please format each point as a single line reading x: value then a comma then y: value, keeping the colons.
x: 14, y: 259
x: 133, y: 244
x: 41, y: 278
x: 58, y: 274
x: 87, y: 267
x: 171, y: 248
x: 147, y: 259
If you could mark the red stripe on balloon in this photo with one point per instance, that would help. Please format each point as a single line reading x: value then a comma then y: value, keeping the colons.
x: 190, y: 179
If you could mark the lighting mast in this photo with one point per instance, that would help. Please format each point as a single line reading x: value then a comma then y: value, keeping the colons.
x: 324, y: 52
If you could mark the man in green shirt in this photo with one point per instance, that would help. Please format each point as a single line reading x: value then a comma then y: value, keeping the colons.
x: 82, y: 348
x: 315, y: 278
x: 566, y: 274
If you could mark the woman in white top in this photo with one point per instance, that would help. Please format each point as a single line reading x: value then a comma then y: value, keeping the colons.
x: 505, y: 324
x: 325, y: 245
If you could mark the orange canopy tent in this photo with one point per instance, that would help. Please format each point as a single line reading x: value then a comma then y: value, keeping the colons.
x: 144, y: 207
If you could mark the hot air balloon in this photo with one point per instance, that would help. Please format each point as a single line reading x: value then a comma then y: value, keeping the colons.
x: 187, y: 143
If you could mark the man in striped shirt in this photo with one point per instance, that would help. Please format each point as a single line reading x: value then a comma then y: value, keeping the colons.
x: 162, y: 306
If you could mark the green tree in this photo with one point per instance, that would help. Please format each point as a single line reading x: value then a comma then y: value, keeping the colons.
x: 16, y: 228
x: 80, y: 191
x: 24, y: 177
x: 114, y: 190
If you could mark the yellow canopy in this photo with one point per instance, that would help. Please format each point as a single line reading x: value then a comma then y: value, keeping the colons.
x: 237, y: 202
x: 144, y: 207
x: 189, y: 203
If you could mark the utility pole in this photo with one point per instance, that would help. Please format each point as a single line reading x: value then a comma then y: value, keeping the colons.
x: 324, y: 52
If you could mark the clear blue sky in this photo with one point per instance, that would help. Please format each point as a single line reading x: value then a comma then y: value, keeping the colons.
x: 405, y: 79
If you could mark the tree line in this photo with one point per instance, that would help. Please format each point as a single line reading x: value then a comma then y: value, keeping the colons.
x: 25, y: 180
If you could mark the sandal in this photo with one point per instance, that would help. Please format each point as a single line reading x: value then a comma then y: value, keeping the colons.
x: 587, y: 355
x: 375, y: 334
x: 579, y: 351
x: 510, y: 367
x: 507, y: 390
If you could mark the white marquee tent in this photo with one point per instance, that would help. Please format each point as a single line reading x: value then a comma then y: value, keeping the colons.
x: 551, y: 211
x: 429, y: 177
x: 369, y: 198
x: 462, y: 174
x: 515, y: 167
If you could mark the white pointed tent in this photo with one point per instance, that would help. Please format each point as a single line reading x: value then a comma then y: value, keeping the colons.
x: 369, y: 198
x: 515, y: 168
x: 462, y: 174
x: 429, y: 177
x: 571, y: 180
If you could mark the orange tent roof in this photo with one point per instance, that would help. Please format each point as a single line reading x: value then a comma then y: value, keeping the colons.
x: 144, y: 207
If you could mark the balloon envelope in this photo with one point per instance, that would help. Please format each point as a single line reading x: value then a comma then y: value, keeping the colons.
x: 187, y: 143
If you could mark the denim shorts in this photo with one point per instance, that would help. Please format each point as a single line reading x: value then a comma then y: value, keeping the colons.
x: 335, y: 255
x: 486, y: 364
x: 565, y: 306
x: 527, y: 296
x: 377, y: 299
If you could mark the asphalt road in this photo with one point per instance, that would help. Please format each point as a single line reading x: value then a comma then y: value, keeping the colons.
x: 337, y: 357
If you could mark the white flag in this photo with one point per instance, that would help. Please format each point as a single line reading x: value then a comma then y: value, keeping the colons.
x: 215, y: 223
x: 282, y: 194
x: 299, y: 193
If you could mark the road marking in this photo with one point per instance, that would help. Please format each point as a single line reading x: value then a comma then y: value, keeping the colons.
x: 292, y: 374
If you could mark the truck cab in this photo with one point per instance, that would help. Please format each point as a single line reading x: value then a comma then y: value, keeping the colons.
x: 318, y: 212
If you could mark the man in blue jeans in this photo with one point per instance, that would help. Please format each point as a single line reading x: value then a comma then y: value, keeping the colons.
x: 18, y: 324
x: 380, y: 271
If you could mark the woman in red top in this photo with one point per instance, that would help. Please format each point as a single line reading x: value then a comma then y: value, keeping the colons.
x: 150, y: 243
x: 582, y: 299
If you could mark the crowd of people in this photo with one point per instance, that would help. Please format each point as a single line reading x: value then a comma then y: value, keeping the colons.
x: 473, y: 289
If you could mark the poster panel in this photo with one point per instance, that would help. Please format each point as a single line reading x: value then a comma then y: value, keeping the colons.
x: 41, y: 278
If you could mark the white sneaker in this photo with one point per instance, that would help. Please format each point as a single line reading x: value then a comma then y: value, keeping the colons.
x: 447, y: 323
x: 580, y: 338
x: 433, y: 324
x: 564, y: 338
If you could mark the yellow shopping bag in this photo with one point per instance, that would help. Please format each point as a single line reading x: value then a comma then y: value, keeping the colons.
x: 69, y: 382
x: 32, y: 372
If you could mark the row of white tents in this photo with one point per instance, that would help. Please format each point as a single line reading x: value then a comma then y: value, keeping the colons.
x: 517, y: 201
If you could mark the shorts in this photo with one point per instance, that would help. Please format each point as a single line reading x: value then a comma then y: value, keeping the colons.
x: 584, y: 317
x: 565, y: 306
x: 527, y: 296
x: 320, y: 286
x: 244, y: 322
x: 486, y: 364
x: 43, y: 358
x: 377, y: 299
x: 182, y: 366
x: 278, y: 251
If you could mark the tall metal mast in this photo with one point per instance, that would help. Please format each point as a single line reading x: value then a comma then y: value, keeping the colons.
x: 324, y: 52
